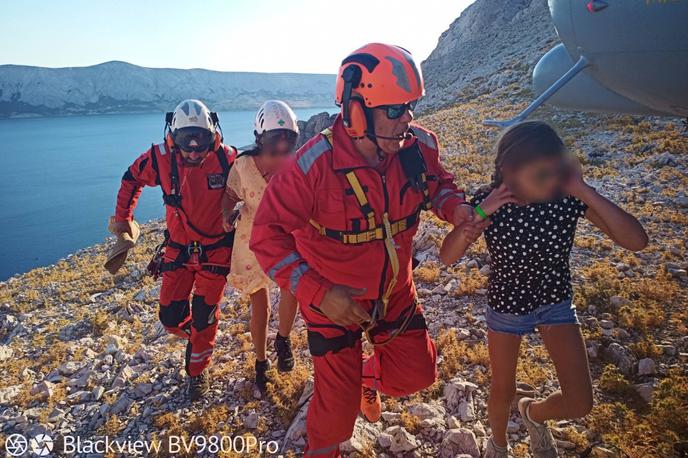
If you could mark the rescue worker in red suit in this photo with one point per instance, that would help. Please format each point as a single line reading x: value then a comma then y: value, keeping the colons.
x: 191, y: 167
x: 336, y: 228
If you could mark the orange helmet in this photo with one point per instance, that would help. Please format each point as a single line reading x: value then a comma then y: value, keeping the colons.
x: 388, y: 75
x: 374, y: 75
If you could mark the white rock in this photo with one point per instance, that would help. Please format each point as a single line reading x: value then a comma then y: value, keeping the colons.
x: 647, y: 366
x: 645, y: 390
x: 393, y: 418
x: 620, y: 356
x: 402, y: 440
x: 8, y: 393
x: 251, y: 420
x: 425, y: 410
x: 68, y: 368
x: 97, y: 392
x: 6, y: 352
x: 457, y: 442
x: 43, y: 389
x: 384, y: 440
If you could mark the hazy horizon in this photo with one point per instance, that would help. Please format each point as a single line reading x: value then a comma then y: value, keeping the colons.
x: 305, y: 37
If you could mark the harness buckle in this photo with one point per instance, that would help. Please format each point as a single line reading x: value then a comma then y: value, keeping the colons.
x: 194, y: 248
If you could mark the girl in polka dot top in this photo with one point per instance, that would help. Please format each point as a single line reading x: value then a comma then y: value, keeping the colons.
x: 529, y: 218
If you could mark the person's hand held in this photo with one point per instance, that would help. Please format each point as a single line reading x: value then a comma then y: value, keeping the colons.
x: 227, y: 224
x: 475, y: 229
x: 463, y: 213
x: 339, y: 306
x: 122, y: 227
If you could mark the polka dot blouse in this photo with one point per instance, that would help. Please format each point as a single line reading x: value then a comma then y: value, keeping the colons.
x: 529, y: 248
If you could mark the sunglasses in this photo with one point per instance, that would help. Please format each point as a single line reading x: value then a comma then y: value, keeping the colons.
x: 398, y: 110
x: 193, y: 139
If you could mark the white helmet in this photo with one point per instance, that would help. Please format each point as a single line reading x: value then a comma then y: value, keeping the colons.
x: 274, y: 115
x: 192, y: 113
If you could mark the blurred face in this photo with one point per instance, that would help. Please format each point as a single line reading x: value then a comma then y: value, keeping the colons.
x: 539, y: 180
x: 392, y: 121
x: 276, y: 149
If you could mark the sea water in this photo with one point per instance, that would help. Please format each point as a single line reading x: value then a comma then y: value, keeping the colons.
x: 59, y: 179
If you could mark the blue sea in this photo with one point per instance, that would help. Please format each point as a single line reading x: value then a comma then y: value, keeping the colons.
x: 59, y: 178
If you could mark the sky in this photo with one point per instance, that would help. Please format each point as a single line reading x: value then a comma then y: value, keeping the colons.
x: 306, y: 36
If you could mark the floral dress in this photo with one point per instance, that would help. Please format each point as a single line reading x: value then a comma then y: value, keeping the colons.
x: 247, y: 183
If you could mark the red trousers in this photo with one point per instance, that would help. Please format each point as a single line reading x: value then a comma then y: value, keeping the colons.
x: 196, y: 317
x: 405, y: 365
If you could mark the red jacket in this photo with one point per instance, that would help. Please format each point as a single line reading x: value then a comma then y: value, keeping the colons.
x: 201, y: 188
x: 292, y: 251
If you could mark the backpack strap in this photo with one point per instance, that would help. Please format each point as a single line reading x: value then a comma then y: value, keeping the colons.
x: 222, y: 158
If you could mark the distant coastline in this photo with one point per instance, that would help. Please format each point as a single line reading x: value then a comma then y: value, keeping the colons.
x: 123, y: 88
x: 328, y: 109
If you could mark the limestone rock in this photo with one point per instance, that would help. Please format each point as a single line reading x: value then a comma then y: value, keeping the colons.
x: 459, y: 441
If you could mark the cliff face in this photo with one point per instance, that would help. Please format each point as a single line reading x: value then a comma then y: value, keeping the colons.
x: 121, y: 87
x: 492, y: 44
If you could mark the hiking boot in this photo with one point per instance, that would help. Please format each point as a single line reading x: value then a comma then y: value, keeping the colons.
x: 285, y: 358
x: 199, y: 385
x: 493, y: 450
x: 542, y: 444
x: 262, y: 367
x: 371, y: 405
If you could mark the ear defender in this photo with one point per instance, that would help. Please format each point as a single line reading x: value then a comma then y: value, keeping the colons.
x: 169, y: 140
x: 353, y: 109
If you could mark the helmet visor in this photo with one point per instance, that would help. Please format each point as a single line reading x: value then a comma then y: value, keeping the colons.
x: 193, y: 139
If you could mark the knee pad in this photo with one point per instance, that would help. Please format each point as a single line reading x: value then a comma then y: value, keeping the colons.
x: 203, y: 314
x: 173, y: 314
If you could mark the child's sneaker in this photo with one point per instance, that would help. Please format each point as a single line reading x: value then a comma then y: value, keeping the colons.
x: 493, y: 450
x: 261, y: 375
x: 542, y: 444
x: 285, y: 357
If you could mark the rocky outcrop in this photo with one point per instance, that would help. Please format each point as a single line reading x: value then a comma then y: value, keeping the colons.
x: 492, y: 44
x: 314, y: 125
x: 114, y: 87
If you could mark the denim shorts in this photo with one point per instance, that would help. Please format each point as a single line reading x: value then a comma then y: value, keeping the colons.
x: 561, y: 313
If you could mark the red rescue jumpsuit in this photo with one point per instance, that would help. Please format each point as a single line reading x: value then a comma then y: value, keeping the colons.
x: 192, y: 260
x: 295, y: 255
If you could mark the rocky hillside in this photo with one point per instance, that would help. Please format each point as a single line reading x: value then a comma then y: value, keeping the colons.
x: 82, y: 353
x: 115, y: 87
x: 492, y: 44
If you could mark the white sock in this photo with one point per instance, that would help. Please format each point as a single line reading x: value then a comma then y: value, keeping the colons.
x: 528, y: 416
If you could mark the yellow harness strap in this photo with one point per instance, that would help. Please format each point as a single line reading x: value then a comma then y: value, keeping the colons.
x: 387, y: 236
x: 361, y: 198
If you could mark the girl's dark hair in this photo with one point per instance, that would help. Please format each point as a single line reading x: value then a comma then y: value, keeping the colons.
x: 525, y: 142
x: 253, y: 151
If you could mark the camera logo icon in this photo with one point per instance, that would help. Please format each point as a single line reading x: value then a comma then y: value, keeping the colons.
x: 16, y: 445
x: 41, y: 444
